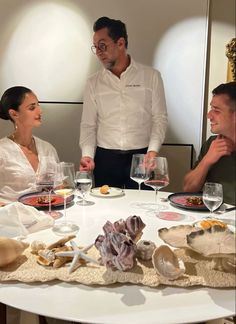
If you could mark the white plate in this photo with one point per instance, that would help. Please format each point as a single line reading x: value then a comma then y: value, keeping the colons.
x: 113, y: 192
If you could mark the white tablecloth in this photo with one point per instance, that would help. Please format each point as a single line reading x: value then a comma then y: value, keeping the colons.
x: 120, y: 303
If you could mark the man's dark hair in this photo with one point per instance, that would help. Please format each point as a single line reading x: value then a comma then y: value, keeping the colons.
x: 228, y: 89
x: 116, y: 28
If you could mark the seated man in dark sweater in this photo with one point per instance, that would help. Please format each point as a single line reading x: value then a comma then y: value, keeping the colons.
x: 217, y: 159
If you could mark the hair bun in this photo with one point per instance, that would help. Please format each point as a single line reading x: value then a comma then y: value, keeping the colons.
x: 3, y: 114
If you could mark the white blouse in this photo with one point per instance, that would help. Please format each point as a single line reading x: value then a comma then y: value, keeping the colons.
x: 17, y: 177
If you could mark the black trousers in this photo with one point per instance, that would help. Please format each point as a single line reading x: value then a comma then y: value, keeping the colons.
x: 112, y: 167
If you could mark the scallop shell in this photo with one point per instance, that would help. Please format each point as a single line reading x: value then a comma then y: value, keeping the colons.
x: 10, y: 249
x: 167, y: 263
x: 176, y: 236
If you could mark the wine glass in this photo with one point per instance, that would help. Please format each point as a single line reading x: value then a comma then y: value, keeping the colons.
x: 212, y: 195
x: 138, y: 170
x: 158, y: 177
x: 46, y: 180
x: 83, y: 183
x: 66, y: 189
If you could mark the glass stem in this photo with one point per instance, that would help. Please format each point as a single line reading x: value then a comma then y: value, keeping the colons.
x: 139, y: 187
x: 156, y: 191
x: 49, y: 202
x: 65, y: 208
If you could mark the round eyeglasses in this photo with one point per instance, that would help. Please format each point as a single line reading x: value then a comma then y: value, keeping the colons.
x: 101, y: 47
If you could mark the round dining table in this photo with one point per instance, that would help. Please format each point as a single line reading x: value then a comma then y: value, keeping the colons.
x: 121, y: 303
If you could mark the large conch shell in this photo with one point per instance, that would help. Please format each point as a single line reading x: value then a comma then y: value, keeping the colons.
x: 167, y: 263
x: 10, y: 249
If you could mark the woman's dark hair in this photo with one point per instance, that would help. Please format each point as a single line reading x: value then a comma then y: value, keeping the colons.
x: 116, y: 28
x: 12, y: 99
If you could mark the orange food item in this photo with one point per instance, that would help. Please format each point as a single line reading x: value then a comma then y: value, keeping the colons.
x: 205, y: 224
x: 104, y: 189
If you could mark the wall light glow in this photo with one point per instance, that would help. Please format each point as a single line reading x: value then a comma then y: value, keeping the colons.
x: 180, y: 56
x: 48, y: 50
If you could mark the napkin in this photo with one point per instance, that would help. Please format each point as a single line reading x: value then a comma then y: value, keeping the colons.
x: 17, y: 219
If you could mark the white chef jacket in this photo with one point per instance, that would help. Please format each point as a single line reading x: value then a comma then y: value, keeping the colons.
x: 124, y: 113
x: 17, y: 177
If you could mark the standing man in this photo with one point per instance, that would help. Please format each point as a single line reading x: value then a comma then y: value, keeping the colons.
x: 124, y: 109
x: 217, y: 159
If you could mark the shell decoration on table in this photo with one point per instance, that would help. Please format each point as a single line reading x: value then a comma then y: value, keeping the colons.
x: 46, y: 255
x: 10, y: 250
x: 118, y: 246
x: 167, y: 263
x: 58, y: 253
x: 145, y: 250
x: 216, y: 243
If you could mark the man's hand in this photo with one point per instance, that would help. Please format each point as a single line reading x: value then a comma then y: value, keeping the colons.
x: 86, y: 164
x: 219, y: 147
x: 150, y: 155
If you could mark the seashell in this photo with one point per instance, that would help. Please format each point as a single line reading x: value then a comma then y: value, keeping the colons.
x: 37, y: 246
x: 60, y: 260
x: 116, y: 250
x: 145, y: 249
x: 166, y: 263
x: 176, y: 236
x: 214, y: 242
x: 60, y: 242
x: 10, y: 249
x: 134, y: 227
x: 45, y: 257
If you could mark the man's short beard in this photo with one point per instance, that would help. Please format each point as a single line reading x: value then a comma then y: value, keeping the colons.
x: 110, y: 65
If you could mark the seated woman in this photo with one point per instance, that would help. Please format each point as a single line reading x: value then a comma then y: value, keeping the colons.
x: 20, y: 151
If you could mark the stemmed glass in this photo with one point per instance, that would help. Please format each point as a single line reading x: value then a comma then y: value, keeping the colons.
x: 83, y: 183
x: 158, y: 177
x: 46, y: 180
x: 66, y: 189
x: 138, y: 170
x: 212, y: 195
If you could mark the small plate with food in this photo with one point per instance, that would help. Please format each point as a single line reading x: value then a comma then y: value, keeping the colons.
x: 208, y: 222
x: 188, y: 200
x: 106, y: 191
x: 41, y: 200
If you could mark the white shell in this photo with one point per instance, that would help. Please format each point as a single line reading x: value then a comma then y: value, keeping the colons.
x: 37, y: 246
x: 167, y: 263
x: 215, y: 241
x: 10, y: 249
x: 176, y: 236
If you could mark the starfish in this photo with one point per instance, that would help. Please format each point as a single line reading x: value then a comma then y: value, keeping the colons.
x: 77, y: 254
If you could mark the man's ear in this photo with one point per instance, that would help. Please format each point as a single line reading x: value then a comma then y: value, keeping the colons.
x: 121, y: 42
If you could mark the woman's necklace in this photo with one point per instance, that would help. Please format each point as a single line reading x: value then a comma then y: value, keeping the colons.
x: 30, y: 147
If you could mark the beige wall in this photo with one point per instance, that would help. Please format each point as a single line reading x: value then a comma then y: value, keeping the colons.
x: 222, y: 30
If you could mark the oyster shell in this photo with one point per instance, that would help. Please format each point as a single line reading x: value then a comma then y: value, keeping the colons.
x: 10, y: 249
x: 176, y: 236
x: 213, y: 242
x: 167, y: 263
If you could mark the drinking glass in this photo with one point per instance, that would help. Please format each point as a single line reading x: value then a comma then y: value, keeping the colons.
x: 138, y: 170
x: 158, y: 177
x: 212, y: 195
x: 46, y: 180
x: 83, y: 183
x: 66, y: 189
